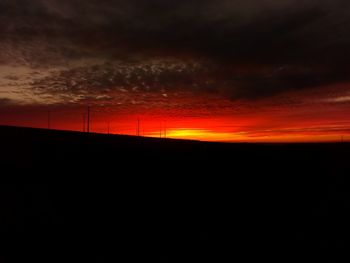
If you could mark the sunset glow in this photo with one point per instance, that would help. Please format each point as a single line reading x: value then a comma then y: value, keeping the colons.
x: 160, y: 123
x: 307, y: 117
x: 215, y: 71
x: 198, y: 134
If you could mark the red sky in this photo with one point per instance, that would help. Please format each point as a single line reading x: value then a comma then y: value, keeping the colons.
x: 315, y: 115
x: 251, y: 71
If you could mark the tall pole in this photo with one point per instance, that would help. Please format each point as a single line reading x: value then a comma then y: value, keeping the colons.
x: 84, y: 122
x: 165, y: 130
x: 49, y: 120
x: 138, y: 126
x: 88, y: 120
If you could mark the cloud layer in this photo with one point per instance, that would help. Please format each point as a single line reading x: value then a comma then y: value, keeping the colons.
x: 239, y: 49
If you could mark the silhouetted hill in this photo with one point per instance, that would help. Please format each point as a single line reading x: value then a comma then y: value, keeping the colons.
x: 109, y: 198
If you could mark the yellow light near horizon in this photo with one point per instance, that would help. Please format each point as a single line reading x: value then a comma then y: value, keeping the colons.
x: 199, y: 134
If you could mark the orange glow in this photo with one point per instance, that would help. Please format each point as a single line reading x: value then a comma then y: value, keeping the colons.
x: 247, y: 128
x: 199, y: 134
x: 302, y: 117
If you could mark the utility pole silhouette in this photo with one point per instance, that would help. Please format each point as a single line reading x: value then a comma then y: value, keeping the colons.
x: 160, y: 130
x: 49, y: 120
x: 138, y: 127
x: 165, y: 130
x: 84, y: 121
x: 88, y: 119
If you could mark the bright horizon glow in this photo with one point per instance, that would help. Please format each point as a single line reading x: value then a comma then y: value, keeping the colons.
x: 201, y: 134
x: 214, y: 136
x: 217, y: 129
x: 308, y: 119
x: 198, y: 134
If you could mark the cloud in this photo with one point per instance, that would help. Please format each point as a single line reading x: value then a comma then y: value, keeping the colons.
x: 107, y: 78
x: 164, y: 75
x: 6, y: 102
x: 242, y: 49
x: 340, y: 99
x: 245, y: 30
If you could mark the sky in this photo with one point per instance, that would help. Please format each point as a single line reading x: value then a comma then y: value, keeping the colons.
x: 223, y: 70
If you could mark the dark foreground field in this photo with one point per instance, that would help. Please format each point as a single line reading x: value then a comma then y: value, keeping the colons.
x: 97, y: 198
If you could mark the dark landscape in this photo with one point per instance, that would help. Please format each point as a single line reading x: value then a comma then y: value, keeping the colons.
x: 100, y: 80
x: 79, y: 197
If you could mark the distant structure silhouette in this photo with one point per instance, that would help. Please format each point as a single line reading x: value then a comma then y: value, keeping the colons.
x: 88, y: 119
x: 138, y: 127
x: 165, y: 131
x: 84, y: 122
x: 160, y: 130
x: 49, y: 120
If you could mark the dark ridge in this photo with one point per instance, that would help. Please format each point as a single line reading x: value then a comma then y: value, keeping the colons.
x: 100, y: 198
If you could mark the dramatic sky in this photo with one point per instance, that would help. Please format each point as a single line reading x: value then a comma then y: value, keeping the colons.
x: 228, y: 70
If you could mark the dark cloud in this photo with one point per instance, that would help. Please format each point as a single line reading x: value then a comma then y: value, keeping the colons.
x: 6, y: 102
x: 238, y: 29
x: 292, y: 44
x: 173, y: 75
x: 111, y: 80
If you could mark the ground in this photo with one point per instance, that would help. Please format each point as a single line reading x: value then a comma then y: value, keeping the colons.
x: 78, y: 197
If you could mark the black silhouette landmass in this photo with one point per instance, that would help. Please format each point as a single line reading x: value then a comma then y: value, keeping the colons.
x: 78, y: 197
